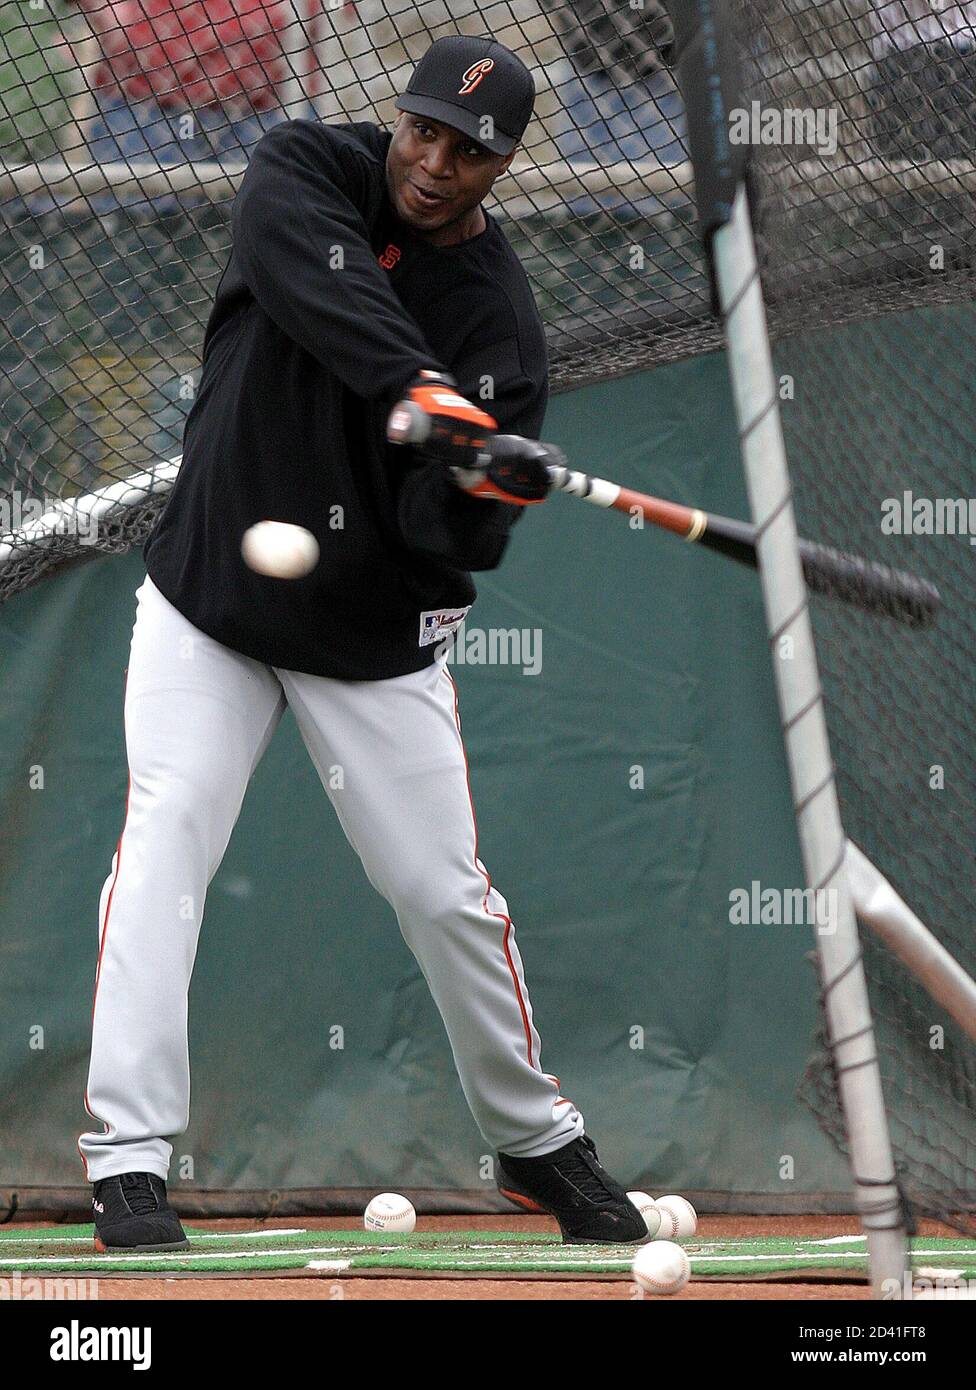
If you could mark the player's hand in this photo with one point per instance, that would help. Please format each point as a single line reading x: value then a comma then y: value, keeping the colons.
x: 435, y: 417
x: 512, y: 470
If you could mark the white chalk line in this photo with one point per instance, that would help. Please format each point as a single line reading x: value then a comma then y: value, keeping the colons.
x: 96, y: 1262
x: 202, y: 1235
x: 837, y: 1240
x: 519, y: 1257
x: 560, y: 1258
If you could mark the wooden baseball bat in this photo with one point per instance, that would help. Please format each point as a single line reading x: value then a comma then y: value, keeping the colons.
x: 834, y: 573
x: 852, y: 579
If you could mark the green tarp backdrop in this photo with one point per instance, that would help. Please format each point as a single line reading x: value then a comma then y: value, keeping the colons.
x: 319, y: 1061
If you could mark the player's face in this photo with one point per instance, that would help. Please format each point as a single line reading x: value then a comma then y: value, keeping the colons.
x: 437, y: 177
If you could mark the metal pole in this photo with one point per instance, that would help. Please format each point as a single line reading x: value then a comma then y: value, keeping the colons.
x: 821, y: 834
x: 907, y: 937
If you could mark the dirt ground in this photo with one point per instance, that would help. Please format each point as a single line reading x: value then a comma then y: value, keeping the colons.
x: 428, y: 1289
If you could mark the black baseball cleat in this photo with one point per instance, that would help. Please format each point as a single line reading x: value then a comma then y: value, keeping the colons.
x: 132, y: 1213
x: 571, y: 1185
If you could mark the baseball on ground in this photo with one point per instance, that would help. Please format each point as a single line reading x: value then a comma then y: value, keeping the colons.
x: 389, y: 1212
x: 679, y: 1220
x: 647, y: 1207
x: 280, y: 550
x: 661, y: 1267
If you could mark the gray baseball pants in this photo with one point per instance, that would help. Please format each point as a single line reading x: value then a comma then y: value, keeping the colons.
x: 198, y: 718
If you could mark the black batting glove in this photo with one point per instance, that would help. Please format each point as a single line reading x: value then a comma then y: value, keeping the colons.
x: 512, y: 469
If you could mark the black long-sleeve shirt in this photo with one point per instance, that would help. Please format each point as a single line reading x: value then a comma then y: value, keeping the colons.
x: 328, y: 306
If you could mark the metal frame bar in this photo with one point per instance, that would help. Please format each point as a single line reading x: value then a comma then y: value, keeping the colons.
x: 907, y: 937
x: 104, y: 503
x: 822, y: 838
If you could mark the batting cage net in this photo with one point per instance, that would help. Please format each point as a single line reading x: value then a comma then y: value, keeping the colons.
x: 866, y: 244
x: 125, y: 129
x: 124, y: 132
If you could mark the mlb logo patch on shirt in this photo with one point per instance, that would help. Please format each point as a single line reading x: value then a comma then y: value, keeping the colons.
x: 440, y: 623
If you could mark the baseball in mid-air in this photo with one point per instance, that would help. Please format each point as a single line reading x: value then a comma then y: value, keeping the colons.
x: 661, y: 1267
x: 390, y: 1212
x: 647, y: 1207
x: 679, y: 1220
x: 280, y: 550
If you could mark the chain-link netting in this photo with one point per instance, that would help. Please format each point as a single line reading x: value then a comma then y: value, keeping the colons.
x: 866, y: 242
x: 124, y: 130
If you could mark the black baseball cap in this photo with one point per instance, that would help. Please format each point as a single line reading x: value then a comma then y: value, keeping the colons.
x: 460, y: 81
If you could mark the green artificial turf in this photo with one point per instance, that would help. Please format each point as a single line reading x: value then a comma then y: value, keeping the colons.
x: 66, y: 1250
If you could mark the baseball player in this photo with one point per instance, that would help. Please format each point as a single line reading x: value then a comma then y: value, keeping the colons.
x: 364, y: 272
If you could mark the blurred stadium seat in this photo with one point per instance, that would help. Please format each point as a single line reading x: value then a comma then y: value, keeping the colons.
x: 617, y: 103
x: 185, y: 81
x: 614, y: 124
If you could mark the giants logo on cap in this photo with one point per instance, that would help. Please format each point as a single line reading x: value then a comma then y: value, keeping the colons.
x: 475, y: 74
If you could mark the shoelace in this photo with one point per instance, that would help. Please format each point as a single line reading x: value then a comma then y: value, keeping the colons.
x: 578, y: 1168
x: 138, y: 1193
